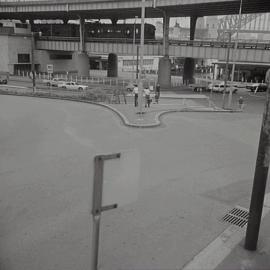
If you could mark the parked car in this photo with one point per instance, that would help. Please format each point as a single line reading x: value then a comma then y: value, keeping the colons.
x: 219, y: 88
x: 53, y: 82
x: 130, y: 87
x: 72, y: 86
x: 3, y: 79
x: 199, y: 87
x: 257, y: 87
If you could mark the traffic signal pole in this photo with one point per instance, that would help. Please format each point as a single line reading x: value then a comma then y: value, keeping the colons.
x: 260, y: 179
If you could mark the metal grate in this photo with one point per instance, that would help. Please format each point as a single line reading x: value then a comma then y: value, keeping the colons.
x: 237, y: 216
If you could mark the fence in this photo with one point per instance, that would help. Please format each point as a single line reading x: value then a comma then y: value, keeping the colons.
x: 99, y: 77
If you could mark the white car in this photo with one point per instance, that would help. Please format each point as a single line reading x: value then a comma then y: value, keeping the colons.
x: 73, y: 86
x: 53, y: 82
x: 219, y: 88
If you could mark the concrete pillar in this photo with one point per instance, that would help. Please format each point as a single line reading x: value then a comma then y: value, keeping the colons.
x: 189, y: 64
x: 82, y: 41
x: 31, y: 22
x: 164, y: 72
x: 112, y: 70
x: 83, y: 64
x: 216, y: 72
x: 164, y: 65
x: 114, y: 21
x: 82, y: 57
x: 193, y: 20
x: 100, y: 65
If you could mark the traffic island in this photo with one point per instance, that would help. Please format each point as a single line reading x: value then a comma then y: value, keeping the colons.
x: 124, y: 107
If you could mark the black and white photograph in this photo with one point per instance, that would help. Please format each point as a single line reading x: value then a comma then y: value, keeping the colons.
x: 134, y: 134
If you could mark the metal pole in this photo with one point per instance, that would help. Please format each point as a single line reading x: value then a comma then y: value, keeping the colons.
x: 226, y: 71
x: 234, y: 53
x: 137, y: 63
x: 260, y: 179
x: 141, y: 57
x: 133, y: 49
x: 33, y: 61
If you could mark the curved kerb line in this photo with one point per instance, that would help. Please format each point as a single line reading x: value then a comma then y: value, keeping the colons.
x: 124, y: 119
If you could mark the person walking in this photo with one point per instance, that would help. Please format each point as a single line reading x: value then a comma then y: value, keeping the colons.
x: 241, y: 103
x: 147, y: 97
x: 136, y: 95
x: 157, y: 93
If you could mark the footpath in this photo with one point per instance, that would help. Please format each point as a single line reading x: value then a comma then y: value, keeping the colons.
x: 140, y: 117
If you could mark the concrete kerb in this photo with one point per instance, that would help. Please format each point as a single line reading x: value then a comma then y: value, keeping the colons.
x: 125, y: 121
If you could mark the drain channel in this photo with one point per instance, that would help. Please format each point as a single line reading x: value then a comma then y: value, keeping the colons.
x: 237, y: 216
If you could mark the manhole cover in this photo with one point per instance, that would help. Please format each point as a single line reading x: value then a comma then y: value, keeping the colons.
x: 237, y: 216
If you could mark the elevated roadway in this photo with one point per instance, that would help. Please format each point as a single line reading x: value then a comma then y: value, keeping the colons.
x: 246, y: 52
x: 122, y: 9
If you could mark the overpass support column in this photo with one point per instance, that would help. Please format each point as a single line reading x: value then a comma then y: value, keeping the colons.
x: 189, y: 64
x: 164, y: 65
x: 82, y: 57
x: 112, y: 70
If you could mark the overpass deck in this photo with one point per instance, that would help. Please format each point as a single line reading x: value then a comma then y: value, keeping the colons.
x: 247, y: 52
x: 122, y: 9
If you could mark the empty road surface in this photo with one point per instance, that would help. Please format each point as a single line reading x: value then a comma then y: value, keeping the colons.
x: 193, y: 169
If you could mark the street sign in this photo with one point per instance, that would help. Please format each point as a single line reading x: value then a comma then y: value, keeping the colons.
x: 121, y: 177
x: 50, y: 68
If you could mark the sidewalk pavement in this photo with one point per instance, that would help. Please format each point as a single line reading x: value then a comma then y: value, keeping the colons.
x: 242, y: 259
x: 131, y: 116
x: 168, y: 103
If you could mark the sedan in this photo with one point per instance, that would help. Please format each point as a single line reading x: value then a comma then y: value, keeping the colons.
x: 257, y: 87
x: 72, y: 86
x: 219, y: 88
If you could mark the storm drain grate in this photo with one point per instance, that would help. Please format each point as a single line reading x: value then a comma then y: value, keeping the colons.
x: 237, y: 216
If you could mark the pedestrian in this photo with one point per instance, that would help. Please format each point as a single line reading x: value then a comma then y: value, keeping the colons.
x: 241, y: 103
x: 157, y: 93
x: 136, y: 95
x: 147, y: 97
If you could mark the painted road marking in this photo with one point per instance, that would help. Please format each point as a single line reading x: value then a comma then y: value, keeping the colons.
x: 210, y: 257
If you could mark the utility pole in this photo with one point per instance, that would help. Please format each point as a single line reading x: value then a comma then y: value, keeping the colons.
x: 234, y: 53
x: 33, y: 70
x: 137, y: 62
x: 141, y: 57
x: 133, y: 49
x: 260, y: 176
x: 226, y: 70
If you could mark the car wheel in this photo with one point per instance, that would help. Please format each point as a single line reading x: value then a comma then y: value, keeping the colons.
x: 64, y: 87
x: 80, y: 89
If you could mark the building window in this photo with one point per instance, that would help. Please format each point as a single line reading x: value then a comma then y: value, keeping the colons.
x: 23, y: 58
x: 60, y: 56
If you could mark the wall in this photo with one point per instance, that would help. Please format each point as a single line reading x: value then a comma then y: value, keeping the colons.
x: 17, y: 45
x: 59, y: 66
x: 3, y: 53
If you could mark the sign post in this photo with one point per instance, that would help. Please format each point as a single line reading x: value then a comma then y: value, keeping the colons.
x: 97, y: 204
x: 115, y: 184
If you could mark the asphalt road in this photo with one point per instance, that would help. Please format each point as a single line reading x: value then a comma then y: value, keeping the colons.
x: 194, y: 169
